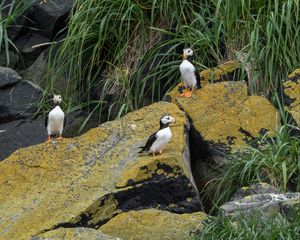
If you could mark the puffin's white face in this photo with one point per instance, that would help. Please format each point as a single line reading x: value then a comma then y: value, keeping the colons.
x: 187, y: 52
x: 167, y: 119
x: 57, y: 99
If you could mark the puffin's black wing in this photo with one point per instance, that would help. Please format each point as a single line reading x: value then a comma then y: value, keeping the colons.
x: 149, y: 143
x: 46, y: 121
x: 197, y: 79
x: 65, y: 120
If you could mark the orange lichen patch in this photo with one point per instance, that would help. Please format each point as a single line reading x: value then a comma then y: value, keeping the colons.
x: 224, y: 113
x: 74, y: 181
x: 154, y: 224
x: 291, y: 88
x: 216, y: 74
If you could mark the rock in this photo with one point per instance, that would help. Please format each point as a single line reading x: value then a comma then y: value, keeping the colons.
x: 85, y: 181
x: 154, y: 224
x: 291, y: 90
x: 17, y: 102
x: 256, y: 188
x: 13, y: 59
x: 224, y: 72
x: 51, y: 16
x: 269, y: 203
x: 227, y: 118
x: 8, y: 77
x: 74, y: 234
x: 20, y: 133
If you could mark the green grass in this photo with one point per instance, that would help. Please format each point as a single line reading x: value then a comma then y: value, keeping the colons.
x: 275, y: 160
x: 144, y: 38
x: 13, y: 10
x: 256, y: 227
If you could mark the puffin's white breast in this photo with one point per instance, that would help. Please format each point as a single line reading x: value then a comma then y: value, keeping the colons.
x: 55, y: 121
x: 187, y: 71
x: 163, y: 136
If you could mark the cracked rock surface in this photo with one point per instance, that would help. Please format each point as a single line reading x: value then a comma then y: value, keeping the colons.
x: 87, y: 180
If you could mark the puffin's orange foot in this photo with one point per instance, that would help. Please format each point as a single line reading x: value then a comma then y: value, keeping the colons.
x: 48, y: 140
x: 60, y: 138
x: 187, y: 94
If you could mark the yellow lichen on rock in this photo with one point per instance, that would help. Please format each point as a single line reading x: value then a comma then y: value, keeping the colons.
x: 217, y: 74
x: 223, y: 113
x: 152, y: 224
x: 76, y: 181
x: 291, y: 89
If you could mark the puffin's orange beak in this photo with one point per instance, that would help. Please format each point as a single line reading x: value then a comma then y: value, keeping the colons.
x: 184, y: 56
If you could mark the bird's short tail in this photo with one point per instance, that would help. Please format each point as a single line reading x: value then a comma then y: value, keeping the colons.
x: 142, y: 149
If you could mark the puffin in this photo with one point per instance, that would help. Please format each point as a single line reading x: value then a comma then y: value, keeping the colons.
x: 158, y: 140
x: 55, y: 121
x: 189, y: 75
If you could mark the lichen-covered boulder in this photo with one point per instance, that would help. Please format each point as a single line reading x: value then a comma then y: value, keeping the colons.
x: 224, y: 72
x: 291, y: 90
x: 255, y: 188
x: 79, y: 233
x: 153, y: 224
x: 227, y: 117
x: 269, y: 203
x: 85, y: 181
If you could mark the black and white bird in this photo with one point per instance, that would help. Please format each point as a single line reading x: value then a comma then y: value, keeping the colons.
x: 189, y: 75
x: 56, y: 120
x: 158, y: 140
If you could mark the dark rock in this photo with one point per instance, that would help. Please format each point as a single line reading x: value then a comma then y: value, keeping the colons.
x: 11, y: 62
x: 20, y: 133
x: 51, y: 16
x: 268, y: 203
x: 26, y: 45
x: 18, y: 101
x: 256, y: 188
x: 8, y: 78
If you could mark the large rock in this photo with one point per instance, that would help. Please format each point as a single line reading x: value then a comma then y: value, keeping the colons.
x: 18, y: 101
x: 79, y: 233
x: 227, y: 117
x: 85, y: 181
x: 255, y: 188
x: 21, y: 133
x: 291, y: 90
x: 154, y: 224
x: 8, y: 77
x: 50, y: 16
x: 269, y: 203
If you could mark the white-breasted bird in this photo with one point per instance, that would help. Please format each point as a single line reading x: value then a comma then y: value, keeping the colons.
x: 158, y: 140
x: 189, y: 75
x: 55, y: 121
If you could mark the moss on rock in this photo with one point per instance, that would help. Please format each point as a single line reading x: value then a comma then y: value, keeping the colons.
x: 87, y: 180
x: 154, y: 224
x: 291, y: 89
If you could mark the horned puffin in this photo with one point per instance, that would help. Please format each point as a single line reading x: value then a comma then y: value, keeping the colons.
x: 189, y: 75
x: 55, y: 121
x: 158, y: 140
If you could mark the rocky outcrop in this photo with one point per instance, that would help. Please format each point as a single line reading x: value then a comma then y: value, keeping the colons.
x: 291, y: 90
x: 79, y: 233
x: 269, y: 203
x: 154, y: 224
x: 226, y: 117
x: 87, y: 180
x: 255, y: 188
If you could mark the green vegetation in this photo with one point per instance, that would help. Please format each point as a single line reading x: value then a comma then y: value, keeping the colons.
x: 256, y: 227
x: 136, y: 45
x: 275, y: 160
x: 9, y: 12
